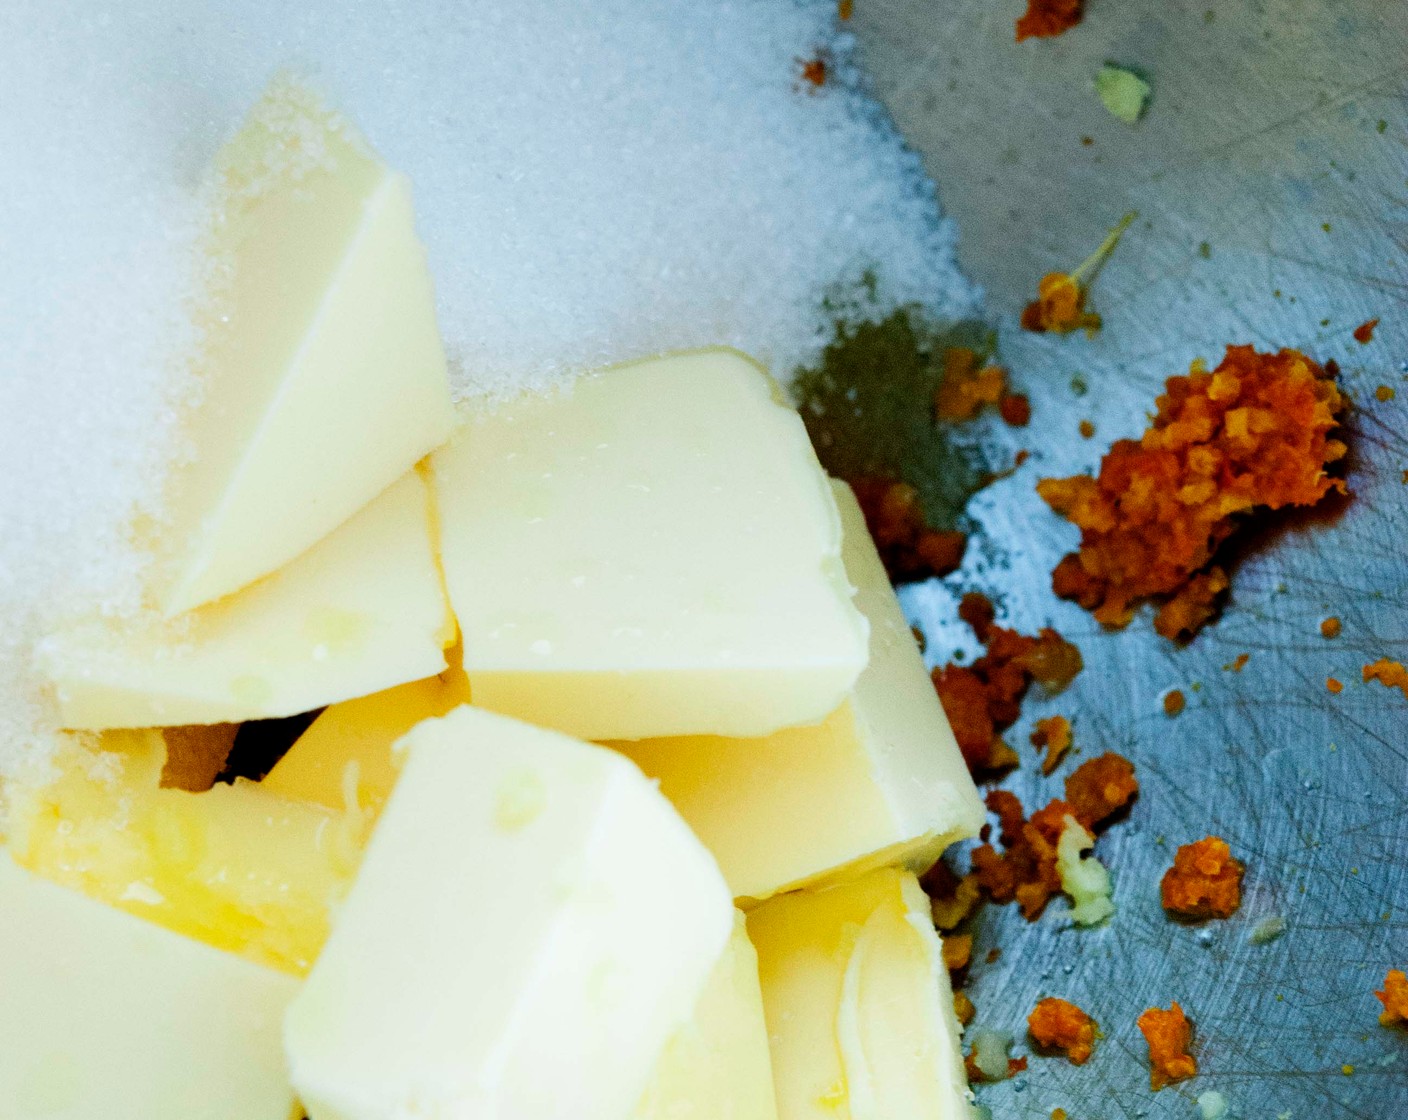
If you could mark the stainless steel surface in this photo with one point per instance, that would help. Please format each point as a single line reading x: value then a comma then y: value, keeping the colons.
x: 1264, y: 141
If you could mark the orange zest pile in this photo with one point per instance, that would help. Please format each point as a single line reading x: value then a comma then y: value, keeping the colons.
x: 984, y: 699
x: 1169, y: 1035
x: 1390, y: 674
x: 1252, y: 434
x: 1059, y: 306
x: 909, y: 548
x: 1045, y: 19
x: 1025, y: 871
x: 1061, y: 1027
x: 1205, y: 881
x: 1394, y: 997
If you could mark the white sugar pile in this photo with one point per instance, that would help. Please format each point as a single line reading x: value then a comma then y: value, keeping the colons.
x: 593, y: 181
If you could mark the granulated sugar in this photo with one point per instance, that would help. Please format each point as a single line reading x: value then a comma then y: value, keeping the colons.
x: 593, y: 182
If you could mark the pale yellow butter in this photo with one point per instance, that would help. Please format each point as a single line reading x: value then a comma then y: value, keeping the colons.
x: 531, y: 923
x: 717, y: 1066
x: 322, y: 376
x: 880, y: 780
x: 858, y: 1003
x: 651, y: 551
x: 106, y: 1017
x: 362, y: 611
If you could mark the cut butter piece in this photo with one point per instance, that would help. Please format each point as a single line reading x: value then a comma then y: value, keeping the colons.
x: 361, y: 611
x: 322, y: 375
x: 106, y: 1017
x: 235, y: 866
x: 879, y: 781
x: 858, y: 1003
x: 716, y: 1067
x: 360, y: 734
x: 653, y: 550
x: 532, y: 922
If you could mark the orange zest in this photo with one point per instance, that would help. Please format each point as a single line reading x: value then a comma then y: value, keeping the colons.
x: 1169, y: 1035
x: 1045, y: 19
x: 1061, y: 1027
x: 1059, y: 306
x: 1390, y: 674
x: 895, y: 517
x: 1205, y: 881
x: 1394, y: 997
x: 1053, y: 735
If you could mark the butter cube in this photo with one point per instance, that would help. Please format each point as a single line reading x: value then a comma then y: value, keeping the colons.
x: 322, y: 377
x: 651, y: 551
x: 532, y: 922
x: 360, y: 734
x: 717, y: 1067
x: 879, y: 781
x: 106, y: 1017
x: 361, y: 611
x: 237, y: 867
x: 859, y: 1007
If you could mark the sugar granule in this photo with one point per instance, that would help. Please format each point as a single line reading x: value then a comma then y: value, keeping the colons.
x: 593, y: 182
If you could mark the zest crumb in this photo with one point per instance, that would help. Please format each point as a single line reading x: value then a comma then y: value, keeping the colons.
x: 814, y: 71
x: 993, y: 955
x: 895, y: 518
x: 952, y: 899
x: 1252, y: 434
x: 1330, y: 627
x: 1169, y: 1035
x: 845, y: 9
x: 1087, y: 430
x: 963, y: 1008
x: 1335, y: 687
x: 983, y: 699
x: 1364, y: 333
x: 1100, y: 788
x: 1384, y: 393
x: 957, y: 951
x: 1174, y: 702
x: 1394, y: 997
x: 1204, y: 881
x: 1390, y: 674
x: 1063, y: 1028
x: 1058, y: 1114
x: 1238, y: 663
x: 1053, y: 735
x: 1059, y: 306
x: 1045, y: 19
x: 1015, y: 409
x: 965, y: 389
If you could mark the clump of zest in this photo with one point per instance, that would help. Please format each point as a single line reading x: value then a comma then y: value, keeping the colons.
x: 1169, y: 1035
x: 908, y: 546
x: 983, y: 699
x: 1060, y: 1027
x: 1026, y: 870
x: 1045, y: 19
x: 953, y: 899
x: 1059, y: 306
x: 1053, y: 735
x: 1394, y: 997
x: 1253, y: 434
x: 1390, y: 674
x: 967, y: 386
x: 1205, y: 881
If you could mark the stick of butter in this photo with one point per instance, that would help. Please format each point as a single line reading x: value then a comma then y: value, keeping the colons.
x: 651, y: 551
x: 361, y: 611
x: 858, y: 1003
x: 531, y: 923
x: 322, y: 375
x: 717, y: 1067
x: 880, y: 780
x: 106, y: 1017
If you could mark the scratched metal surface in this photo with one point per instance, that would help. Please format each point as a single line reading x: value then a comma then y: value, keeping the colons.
x: 1263, y: 141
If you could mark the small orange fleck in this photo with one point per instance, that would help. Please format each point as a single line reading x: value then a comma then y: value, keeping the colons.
x: 1058, y: 1114
x: 1087, y: 141
x: 1169, y: 1035
x: 1347, y: 1070
x: 1394, y: 997
x: 814, y: 71
x: 1390, y: 674
x: 1087, y: 429
x: 1052, y: 734
x: 1015, y: 409
x: 1174, y: 702
x: 1022, y: 457
x: 1204, y: 881
x: 1060, y: 1026
x: 845, y: 9
x: 1060, y: 296
x: 1384, y: 393
x: 994, y: 955
x: 1335, y: 687
x: 963, y: 1008
x: 1330, y: 627
x: 1364, y: 333
x: 1238, y: 663
x: 1045, y: 19
x: 958, y: 951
